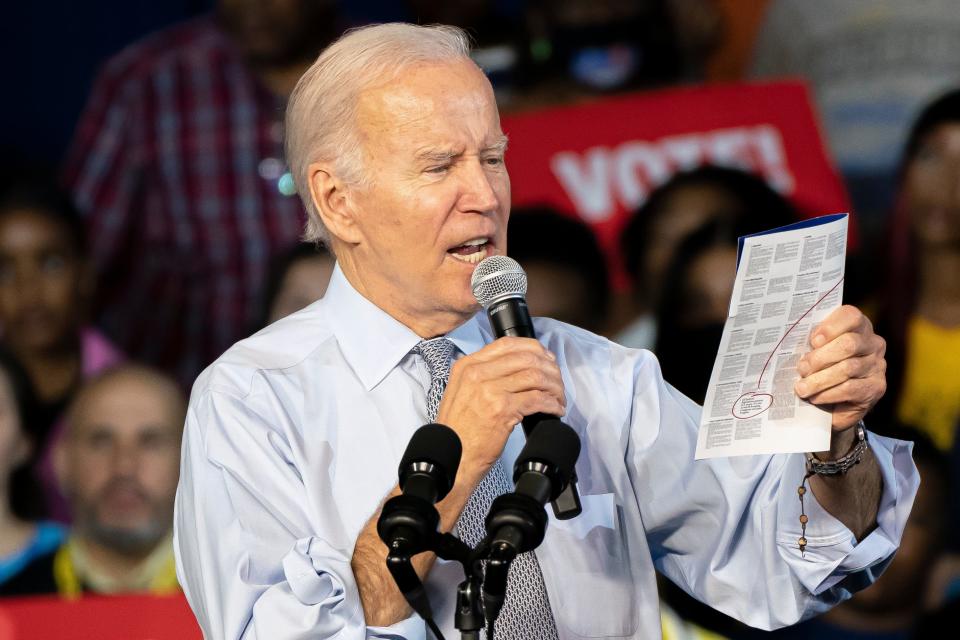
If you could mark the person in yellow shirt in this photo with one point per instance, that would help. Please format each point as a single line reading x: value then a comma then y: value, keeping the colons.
x: 921, y: 296
x: 118, y: 465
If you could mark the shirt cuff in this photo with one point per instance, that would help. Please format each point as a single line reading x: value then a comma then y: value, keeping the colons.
x: 832, y: 553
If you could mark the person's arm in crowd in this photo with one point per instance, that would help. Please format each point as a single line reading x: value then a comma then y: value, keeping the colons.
x: 489, y: 392
x: 727, y: 529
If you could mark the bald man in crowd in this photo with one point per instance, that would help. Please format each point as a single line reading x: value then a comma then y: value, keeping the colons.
x: 118, y: 465
x: 294, y: 435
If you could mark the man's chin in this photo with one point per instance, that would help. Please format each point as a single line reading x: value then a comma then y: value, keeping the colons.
x: 129, y: 540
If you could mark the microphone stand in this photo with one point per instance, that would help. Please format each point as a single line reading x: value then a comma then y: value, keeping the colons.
x: 515, y: 523
x: 468, y: 616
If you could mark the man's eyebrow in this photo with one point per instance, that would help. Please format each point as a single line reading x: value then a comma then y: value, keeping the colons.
x: 435, y: 154
x: 500, y: 146
x: 438, y: 154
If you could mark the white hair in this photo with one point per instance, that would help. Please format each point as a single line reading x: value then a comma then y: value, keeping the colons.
x: 321, y: 113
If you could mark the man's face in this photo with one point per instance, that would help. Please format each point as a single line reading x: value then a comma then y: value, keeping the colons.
x: 120, y: 462
x: 439, y: 195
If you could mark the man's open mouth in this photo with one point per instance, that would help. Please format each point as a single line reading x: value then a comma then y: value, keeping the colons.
x: 471, y: 251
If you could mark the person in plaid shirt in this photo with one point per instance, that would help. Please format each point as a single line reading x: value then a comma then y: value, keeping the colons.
x: 177, y: 166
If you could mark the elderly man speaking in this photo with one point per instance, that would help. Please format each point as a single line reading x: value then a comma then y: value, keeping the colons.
x: 293, y: 436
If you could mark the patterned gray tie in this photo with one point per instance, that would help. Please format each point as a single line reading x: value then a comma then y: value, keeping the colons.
x: 526, y: 611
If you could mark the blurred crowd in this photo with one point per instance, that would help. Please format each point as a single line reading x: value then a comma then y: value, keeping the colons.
x: 170, y: 228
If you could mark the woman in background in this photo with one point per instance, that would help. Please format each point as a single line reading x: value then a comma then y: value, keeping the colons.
x: 920, y: 298
x: 22, y: 537
x: 45, y: 287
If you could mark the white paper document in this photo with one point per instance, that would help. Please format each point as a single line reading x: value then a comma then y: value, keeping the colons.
x: 788, y: 280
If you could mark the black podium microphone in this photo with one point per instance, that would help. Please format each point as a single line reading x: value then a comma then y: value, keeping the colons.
x: 500, y: 285
x: 427, y: 472
x: 408, y: 522
x: 517, y: 521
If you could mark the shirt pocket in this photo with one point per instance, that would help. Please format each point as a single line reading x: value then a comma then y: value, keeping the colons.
x: 594, y: 595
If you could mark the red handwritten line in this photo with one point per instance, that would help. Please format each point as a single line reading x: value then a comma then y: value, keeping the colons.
x: 792, y: 327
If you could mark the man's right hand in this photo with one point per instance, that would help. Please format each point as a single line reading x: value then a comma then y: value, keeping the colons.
x: 492, y: 390
x: 488, y: 393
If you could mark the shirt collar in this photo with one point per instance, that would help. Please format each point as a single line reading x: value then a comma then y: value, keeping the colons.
x: 374, y: 342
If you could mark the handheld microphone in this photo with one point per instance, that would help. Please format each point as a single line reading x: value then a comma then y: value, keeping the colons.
x: 499, y: 284
x: 517, y: 521
x: 409, y: 521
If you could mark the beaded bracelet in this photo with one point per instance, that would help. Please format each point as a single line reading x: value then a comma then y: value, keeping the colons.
x: 829, y: 468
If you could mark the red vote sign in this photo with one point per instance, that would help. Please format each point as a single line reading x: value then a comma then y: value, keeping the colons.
x: 100, y: 617
x: 600, y: 161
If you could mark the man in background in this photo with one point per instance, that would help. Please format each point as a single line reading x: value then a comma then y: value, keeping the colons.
x: 177, y: 165
x: 118, y: 465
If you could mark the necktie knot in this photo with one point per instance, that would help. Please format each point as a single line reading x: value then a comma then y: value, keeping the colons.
x: 438, y: 353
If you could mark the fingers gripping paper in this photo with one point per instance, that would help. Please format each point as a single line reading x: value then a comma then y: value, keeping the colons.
x: 788, y: 280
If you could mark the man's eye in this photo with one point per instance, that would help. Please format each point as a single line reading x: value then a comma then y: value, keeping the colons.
x: 99, y: 441
x: 494, y: 161
x: 442, y: 168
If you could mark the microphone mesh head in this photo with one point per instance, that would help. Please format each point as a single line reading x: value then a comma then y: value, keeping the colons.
x: 498, y: 277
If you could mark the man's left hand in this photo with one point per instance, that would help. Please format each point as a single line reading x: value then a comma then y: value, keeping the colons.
x: 845, y: 371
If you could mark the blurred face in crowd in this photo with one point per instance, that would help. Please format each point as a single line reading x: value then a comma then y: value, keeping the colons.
x: 14, y: 445
x: 692, y: 319
x: 41, y: 281
x: 932, y: 188
x: 559, y: 292
x: 709, y: 285
x: 685, y: 210
x: 277, y: 31
x: 304, y: 282
x: 439, y: 197
x: 119, y: 464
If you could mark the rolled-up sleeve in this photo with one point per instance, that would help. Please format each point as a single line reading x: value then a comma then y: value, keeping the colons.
x: 726, y: 529
x: 833, y: 558
x: 254, y: 556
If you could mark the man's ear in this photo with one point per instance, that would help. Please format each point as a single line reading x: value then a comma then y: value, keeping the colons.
x: 331, y: 198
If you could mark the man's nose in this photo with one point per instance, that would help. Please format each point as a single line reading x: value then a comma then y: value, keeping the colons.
x: 479, y: 194
x: 126, y: 461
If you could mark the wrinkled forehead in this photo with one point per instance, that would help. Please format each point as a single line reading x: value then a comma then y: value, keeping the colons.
x: 430, y: 101
x: 127, y: 405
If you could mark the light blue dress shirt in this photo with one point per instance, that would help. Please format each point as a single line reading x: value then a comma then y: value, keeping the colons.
x: 294, y: 435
